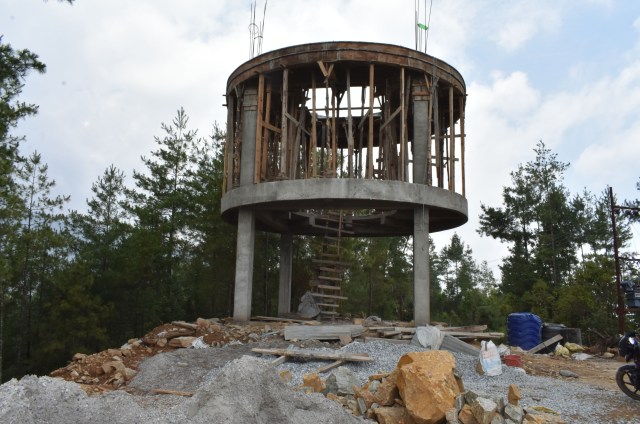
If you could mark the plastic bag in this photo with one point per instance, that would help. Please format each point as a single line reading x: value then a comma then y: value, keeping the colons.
x: 490, y: 359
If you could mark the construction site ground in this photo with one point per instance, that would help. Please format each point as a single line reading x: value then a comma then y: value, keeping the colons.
x: 229, y: 341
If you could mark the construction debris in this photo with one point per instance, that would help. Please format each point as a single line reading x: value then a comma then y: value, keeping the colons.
x: 321, y: 332
x: 309, y: 354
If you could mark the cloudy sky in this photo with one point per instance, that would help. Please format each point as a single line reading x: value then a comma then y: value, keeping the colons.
x: 566, y: 72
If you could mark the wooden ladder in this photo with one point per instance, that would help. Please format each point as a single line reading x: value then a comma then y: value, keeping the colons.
x: 329, y: 269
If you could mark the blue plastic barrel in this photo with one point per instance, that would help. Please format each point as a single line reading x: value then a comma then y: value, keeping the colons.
x: 524, y: 330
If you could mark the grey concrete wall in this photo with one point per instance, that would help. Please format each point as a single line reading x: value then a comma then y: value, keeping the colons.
x: 420, y: 141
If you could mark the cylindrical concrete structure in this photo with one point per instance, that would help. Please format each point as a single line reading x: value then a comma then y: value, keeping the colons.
x: 373, y: 129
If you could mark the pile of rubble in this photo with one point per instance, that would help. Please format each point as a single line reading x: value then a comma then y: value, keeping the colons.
x: 113, y: 368
x: 424, y: 389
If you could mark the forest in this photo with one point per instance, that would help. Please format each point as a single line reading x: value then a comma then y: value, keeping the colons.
x: 156, y: 249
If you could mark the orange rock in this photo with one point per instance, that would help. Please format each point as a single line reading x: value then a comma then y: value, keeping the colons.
x: 393, y: 415
x: 388, y: 390
x: 427, y: 385
x: 313, y: 381
x: 465, y: 416
x: 366, y: 396
x: 514, y: 394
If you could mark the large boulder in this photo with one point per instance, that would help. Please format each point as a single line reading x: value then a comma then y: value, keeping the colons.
x: 427, y: 385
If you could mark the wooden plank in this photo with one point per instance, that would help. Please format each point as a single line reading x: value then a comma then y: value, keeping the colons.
x: 545, y: 344
x: 321, y: 332
x: 474, y: 335
x: 403, y: 128
x: 349, y: 125
x: 303, y: 353
x: 331, y: 366
x: 280, y: 319
x: 265, y: 133
x: 469, y: 328
x: 186, y: 325
x: 462, y: 164
x: 279, y: 361
x: 258, y: 141
x: 329, y: 296
x: 325, y: 287
x: 314, y: 136
x: 452, y: 144
x: 284, y: 123
x: 370, y: 140
x: 172, y: 392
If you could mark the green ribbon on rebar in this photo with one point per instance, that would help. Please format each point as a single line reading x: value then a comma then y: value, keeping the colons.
x: 423, y: 26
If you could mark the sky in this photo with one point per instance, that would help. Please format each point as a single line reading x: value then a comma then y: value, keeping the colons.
x: 565, y: 72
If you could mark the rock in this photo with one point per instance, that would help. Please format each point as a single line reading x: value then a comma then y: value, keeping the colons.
x: 373, y: 386
x: 581, y: 356
x: 514, y: 394
x: 451, y: 415
x: 427, y: 385
x: 253, y: 337
x: 484, y: 410
x: 393, y: 415
x: 117, y: 358
x: 313, y: 381
x: 161, y: 342
x: 114, y: 352
x: 362, y: 406
x: 567, y: 373
x: 366, y: 396
x: 608, y: 355
x: 129, y: 373
x: 117, y: 366
x: 74, y: 374
x: 182, y: 342
x: 388, y: 390
x: 514, y: 413
x: 465, y: 416
x: 203, y: 323
x: 308, y: 307
x: 428, y: 337
x: 497, y: 419
x: 79, y: 357
x: 341, y: 382
x: 536, y: 417
x: 285, y: 376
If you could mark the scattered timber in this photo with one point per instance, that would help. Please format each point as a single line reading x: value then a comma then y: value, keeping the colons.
x: 321, y: 332
x: 545, y: 344
x: 331, y: 366
x: 452, y: 344
x: 291, y: 320
x: 309, y: 354
x: 186, y: 325
x: 394, y: 341
x: 172, y: 392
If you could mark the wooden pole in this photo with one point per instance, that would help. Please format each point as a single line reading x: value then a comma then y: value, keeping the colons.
x: 403, y: 128
x: 257, y: 165
x: 334, y: 143
x: 370, y: 145
x: 452, y: 143
x: 349, y: 125
x: 314, y: 136
x: 265, y: 134
x: 462, y: 147
x: 284, y: 123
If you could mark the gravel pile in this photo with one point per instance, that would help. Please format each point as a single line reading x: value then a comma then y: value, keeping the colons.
x: 578, y: 403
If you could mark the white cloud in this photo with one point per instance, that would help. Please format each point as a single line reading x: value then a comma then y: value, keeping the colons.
x: 519, y: 22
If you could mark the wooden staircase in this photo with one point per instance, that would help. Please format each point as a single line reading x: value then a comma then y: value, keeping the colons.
x: 326, y: 287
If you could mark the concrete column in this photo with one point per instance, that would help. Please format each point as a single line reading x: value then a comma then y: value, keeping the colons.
x: 286, y: 262
x: 246, y: 218
x: 420, y: 138
x: 244, y: 265
x: 421, y: 301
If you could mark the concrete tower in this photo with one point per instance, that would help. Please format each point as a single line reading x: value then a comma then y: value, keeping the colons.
x: 373, y: 129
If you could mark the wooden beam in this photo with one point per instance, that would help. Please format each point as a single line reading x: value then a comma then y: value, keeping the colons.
x: 172, y: 392
x: 393, y: 115
x: 331, y: 366
x: 452, y: 143
x: 403, y: 127
x: 370, y: 140
x: 258, y: 156
x: 349, y: 125
x: 545, y: 344
x: 279, y: 361
x: 265, y: 133
x: 283, y: 119
x: 462, y: 164
x: 314, y: 136
x: 301, y: 353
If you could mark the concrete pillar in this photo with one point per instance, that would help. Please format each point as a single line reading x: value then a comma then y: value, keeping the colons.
x: 421, y: 137
x: 246, y: 218
x: 286, y: 262
x: 244, y: 265
x: 421, y: 301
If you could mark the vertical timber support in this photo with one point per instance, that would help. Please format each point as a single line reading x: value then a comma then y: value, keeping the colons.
x: 462, y: 152
x: 246, y: 218
x: 370, y: 140
x: 286, y: 262
x: 421, y: 300
x: 452, y: 144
